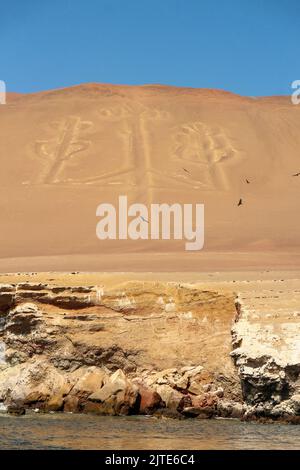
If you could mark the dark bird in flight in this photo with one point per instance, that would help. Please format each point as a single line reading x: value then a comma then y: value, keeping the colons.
x: 143, y: 218
x: 240, y: 202
x: 186, y: 170
x: 296, y: 174
x: 247, y: 181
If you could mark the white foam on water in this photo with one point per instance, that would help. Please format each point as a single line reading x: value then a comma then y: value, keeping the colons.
x: 2, y: 407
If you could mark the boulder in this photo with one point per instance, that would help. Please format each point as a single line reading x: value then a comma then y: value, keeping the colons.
x: 163, y: 377
x: 286, y: 408
x: 207, y: 399
x: 203, y: 406
x: 171, y: 377
x: 71, y: 404
x: 37, y: 396
x: 181, y: 383
x: 89, y: 380
x: 295, y: 399
x: 185, y: 402
x: 33, y: 383
x: 16, y: 409
x: 150, y: 400
x: 200, y: 381
x: 117, y: 397
x: 172, y: 398
x: 191, y: 371
x: 230, y: 409
x: 196, y: 388
x: 55, y: 403
x: 96, y: 408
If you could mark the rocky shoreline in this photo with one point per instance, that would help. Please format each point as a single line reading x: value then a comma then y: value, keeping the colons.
x: 162, y: 349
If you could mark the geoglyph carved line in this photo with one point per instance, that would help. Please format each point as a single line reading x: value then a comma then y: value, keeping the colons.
x: 59, y: 150
x: 205, y: 147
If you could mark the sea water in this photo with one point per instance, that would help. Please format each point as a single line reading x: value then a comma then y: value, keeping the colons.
x: 71, y: 431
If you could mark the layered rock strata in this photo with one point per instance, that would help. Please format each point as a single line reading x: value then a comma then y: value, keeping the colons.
x: 144, y: 347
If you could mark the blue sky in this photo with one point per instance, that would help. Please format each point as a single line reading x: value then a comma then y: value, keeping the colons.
x: 251, y: 47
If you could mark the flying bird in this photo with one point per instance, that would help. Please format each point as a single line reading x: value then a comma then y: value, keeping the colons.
x: 296, y: 174
x: 240, y: 202
x: 143, y: 218
x: 186, y: 170
x: 247, y: 181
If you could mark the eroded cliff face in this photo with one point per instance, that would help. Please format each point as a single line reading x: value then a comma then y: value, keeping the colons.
x: 266, y: 351
x: 168, y: 339
x: 134, y: 326
x: 146, y: 347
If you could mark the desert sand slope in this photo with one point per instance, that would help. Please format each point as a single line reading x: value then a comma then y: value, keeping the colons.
x: 63, y: 152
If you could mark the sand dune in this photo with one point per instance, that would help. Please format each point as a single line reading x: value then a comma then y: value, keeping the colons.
x: 65, y: 151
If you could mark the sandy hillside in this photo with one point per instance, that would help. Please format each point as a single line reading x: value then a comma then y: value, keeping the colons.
x: 63, y: 152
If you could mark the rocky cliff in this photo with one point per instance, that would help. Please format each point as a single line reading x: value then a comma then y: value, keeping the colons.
x: 266, y: 351
x: 142, y: 347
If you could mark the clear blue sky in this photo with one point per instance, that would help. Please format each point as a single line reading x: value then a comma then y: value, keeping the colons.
x: 251, y: 47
